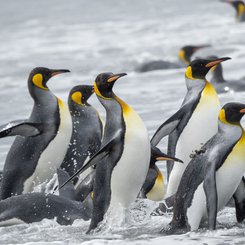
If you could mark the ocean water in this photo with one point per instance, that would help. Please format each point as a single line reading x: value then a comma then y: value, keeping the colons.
x: 90, y: 37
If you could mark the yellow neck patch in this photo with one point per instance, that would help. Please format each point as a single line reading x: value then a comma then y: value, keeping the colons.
x: 241, y: 10
x: 38, y: 81
x: 126, y: 108
x: 96, y: 90
x: 77, y: 98
x: 222, y: 116
x: 188, y: 73
x: 182, y: 56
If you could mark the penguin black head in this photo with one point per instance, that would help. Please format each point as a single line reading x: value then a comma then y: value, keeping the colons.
x: 81, y: 93
x: 157, y: 155
x: 104, y: 83
x: 39, y: 76
x: 186, y: 52
x: 199, y: 68
x: 238, y: 5
x: 232, y: 113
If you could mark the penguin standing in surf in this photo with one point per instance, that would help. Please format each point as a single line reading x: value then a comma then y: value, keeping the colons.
x: 87, y: 129
x: 42, y: 140
x: 213, y: 176
x: 194, y: 123
x: 123, y: 160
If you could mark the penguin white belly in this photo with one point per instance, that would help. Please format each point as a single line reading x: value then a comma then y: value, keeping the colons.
x: 230, y: 173
x: 130, y: 172
x: 198, y: 210
x: 202, y: 125
x: 52, y: 157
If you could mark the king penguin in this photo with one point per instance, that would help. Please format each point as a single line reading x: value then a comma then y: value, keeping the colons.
x: 87, y: 129
x: 194, y: 123
x: 184, y: 55
x: 154, y: 186
x: 213, y: 176
x: 239, y: 7
x: 123, y: 160
x: 42, y: 140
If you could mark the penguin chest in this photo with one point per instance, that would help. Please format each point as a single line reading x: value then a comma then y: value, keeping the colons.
x: 53, y: 155
x: 230, y: 173
x: 158, y: 190
x: 130, y: 171
x: 202, y: 125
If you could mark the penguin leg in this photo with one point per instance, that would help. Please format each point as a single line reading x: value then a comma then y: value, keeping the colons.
x: 20, y: 127
x: 167, y: 127
x: 239, y: 197
x: 211, y: 195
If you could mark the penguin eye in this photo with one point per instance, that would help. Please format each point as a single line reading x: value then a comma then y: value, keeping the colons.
x: 77, y: 97
x: 37, y: 80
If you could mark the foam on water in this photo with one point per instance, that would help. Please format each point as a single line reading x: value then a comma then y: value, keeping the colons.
x: 89, y: 37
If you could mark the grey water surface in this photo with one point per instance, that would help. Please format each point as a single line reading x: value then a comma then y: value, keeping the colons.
x: 90, y: 37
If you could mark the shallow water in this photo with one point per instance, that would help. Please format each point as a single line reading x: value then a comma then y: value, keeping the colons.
x: 89, y: 37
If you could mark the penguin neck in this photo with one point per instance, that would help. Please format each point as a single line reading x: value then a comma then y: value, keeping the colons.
x: 76, y: 109
x: 195, y: 84
x: 41, y: 96
x: 217, y: 75
x: 232, y: 131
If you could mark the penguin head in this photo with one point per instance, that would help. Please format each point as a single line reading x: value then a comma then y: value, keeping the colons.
x: 238, y: 5
x: 104, y: 83
x: 157, y: 155
x: 186, y: 52
x: 39, y: 77
x: 81, y: 93
x: 199, y: 68
x: 232, y: 113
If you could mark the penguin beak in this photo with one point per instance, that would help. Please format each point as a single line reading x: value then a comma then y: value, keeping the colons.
x: 242, y: 111
x: 114, y: 77
x: 165, y: 157
x: 57, y: 72
x: 92, y: 90
x: 216, y: 62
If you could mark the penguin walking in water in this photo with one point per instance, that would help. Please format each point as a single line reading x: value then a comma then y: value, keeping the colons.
x: 42, y: 140
x: 239, y: 7
x: 185, y: 54
x: 36, y: 206
x: 87, y: 129
x: 154, y: 187
x: 123, y: 160
x: 213, y: 176
x: 194, y: 123
x: 222, y: 85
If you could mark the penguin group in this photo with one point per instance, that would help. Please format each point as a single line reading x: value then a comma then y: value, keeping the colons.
x: 67, y: 163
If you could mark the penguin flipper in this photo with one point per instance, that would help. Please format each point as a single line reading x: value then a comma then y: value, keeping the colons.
x: 239, y: 197
x: 167, y: 127
x: 20, y: 127
x: 211, y: 195
x: 97, y: 157
x: 68, y: 191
